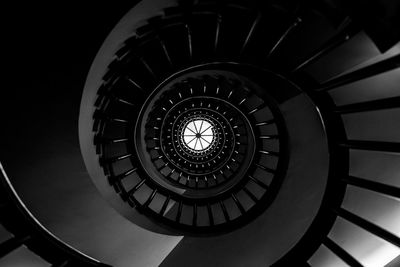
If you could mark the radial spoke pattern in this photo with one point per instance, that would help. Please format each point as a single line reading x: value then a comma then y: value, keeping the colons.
x: 198, y: 135
x: 215, y: 141
x: 202, y: 134
x: 189, y: 134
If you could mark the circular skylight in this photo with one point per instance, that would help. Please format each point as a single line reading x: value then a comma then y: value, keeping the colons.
x: 198, y: 135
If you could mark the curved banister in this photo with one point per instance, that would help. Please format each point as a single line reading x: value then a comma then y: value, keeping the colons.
x: 28, y: 231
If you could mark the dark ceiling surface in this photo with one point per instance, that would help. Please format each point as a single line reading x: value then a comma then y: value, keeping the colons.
x: 51, y: 47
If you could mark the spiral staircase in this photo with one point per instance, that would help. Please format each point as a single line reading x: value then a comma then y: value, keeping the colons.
x: 226, y: 133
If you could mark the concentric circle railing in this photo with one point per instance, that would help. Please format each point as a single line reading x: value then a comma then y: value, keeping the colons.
x: 211, y: 65
x: 228, y: 182
x: 180, y: 66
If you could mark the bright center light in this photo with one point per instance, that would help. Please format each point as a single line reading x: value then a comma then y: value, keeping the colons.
x: 198, y: 134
